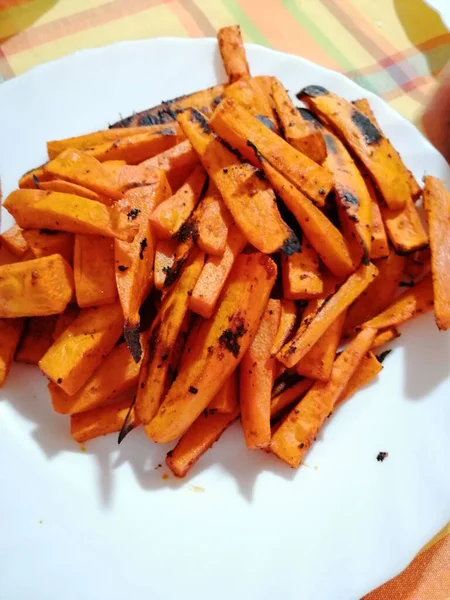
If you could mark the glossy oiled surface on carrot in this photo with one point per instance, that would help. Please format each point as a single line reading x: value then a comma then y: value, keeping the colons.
x: 117, y: 373
x: 226, y: 399
x: 93, y: 270
x: 75, y: 355
x: 177, y: 163
x: 437, y: 206
x: 218, y: 347
x: 67, y: 187
x: 39, y: 287
x: 10, y: 332
x: 250, y: 94
x: 232, y: 51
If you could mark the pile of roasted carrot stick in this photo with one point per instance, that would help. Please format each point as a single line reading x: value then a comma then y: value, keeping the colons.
x: 220, y: 255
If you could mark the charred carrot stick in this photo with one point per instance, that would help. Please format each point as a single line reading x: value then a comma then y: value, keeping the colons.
x: 351, y: 194
x: 215, y: 273
x: 213, y: 222
x: 43, y: 242
x: 437, y: 208
x: 288, y: 319
x: 412, y: 303
x: 256, y: 377
x: 253, y: 139
x: 83, y: 170
x: 368, y: 369
x: 300, y: 273
x: 310, y: 331
x: 298, y: 130
x: 385, y: 336
x: 248, y: 197
x: 134, y: 260
x: 182, y: 252
x: 93, y: 270
x: 378, y: 295
x: 164, y: 257
x: 177, y: 163
x: 67, y: 187
x: 379, y: 247
x: 226, y: 400
x: 318, y: 362
x: 32, y: 179
x: 95, y: 423
x: 199, y: 438
x: 288, y: 396
x: 327, y: 240
x: 218, y: 347
x: 35, y: 209
x: 13, y: 240
x: 404, y: 228
x: 364, y: 107
x: 161, y: 341
x: 297, y: 433
x: 36, y: 340
x: 366, y: 140
x: 10, y: 333
x: 232, y: 50
x: 249, y: 93
x: 117, y: 373
x: 168, y: 217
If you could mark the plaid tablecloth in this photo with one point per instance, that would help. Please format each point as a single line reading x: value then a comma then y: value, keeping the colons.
x: 395, y: 48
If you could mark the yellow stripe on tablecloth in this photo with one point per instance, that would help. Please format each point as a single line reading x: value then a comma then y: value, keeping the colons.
x: 156, y: 21
x: 66, y: 8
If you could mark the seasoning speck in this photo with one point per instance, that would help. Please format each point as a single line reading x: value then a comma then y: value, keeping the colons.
x: 143, y: 247
x: 165, y: 477
x: 83, y: 448
x: 133, y: 213
x: 193, y: 390
x: 122, y: 268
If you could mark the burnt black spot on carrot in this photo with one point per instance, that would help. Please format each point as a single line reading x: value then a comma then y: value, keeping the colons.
x: 173, y: 272
x: 383, y: 355
x: 267, y: 122
x: 143, y: 245
x: 229, y: 337
x: 308, y: 115
x: 158, y: 117
x: 217, y: 100
x: 330, y: 143
x: 122, y: 268
x: 225, y: 171
x: 168, y: 131
x: 59, y: 380
x: 35, y: 181
x: 407, y: 284
x: 291, y: 245
x: 260, y: 174
x: 292, y: 349
x: 193, y: 390
x: 350, y: 199
x: 312, y: 91
x: 133, y: 213
x: 126, y: 122
x: 132, y: 339
x: 48, y: 231
x: 128, y: 424
x: 371, y: 133
x: 164, y: 356
x: 187, y: 231
x: 255, y: 150
x: 197, y: 117
x: 365, y: 257
x: 231, y: 149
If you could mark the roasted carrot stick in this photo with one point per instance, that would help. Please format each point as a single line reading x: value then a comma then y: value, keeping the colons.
x: 327, y: 240
x: 93, y: 270
x: 64, y: 319
x: 84, y: 142
x: 437, y: 207
x: 134, y: 260
x: 35, y: 209
x: 177, y: 163
x: 297, y: 433
x: 248, y: 198
x: 226, y: 399
x: 164, y: 257
x: 12, y: 239
x: 84, y: 170
x: 117, y: 374
x: 168, y: 217
x: 288, y: 319
x: 318, y: 362
x: 310, y: 331
x: 161, y: 341
x: 67, y: 187
x: 412, y: 303
x: 297, y: 130
x: 404, y: 228
x: 256, y: 377
x: 36, y: 340
x: 182, y: 252
x: 253, y: 140
x: 379, y: 247
x: 288, y: 396
x: 232, y: 50
x: 385, y: 336
x: 368, y: 369
x: 215, y: 273
x: 351, y: 194
x: 418, y: 264
x: 213, y: 222
x: 43, y: 242
x: 94, y: 423
x: 218, y: 347
x: 300, y: 272
x: 39, y: 287
x: 366, y: 140
x: 378, y: 295
x: 199, y: 438
x: 364, y: 107
x: 250, y: 94
x: 33, y: 178
x: 10, y: 332
x: 80, y: 349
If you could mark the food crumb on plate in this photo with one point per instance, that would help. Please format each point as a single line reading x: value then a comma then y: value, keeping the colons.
x: 381, y: 456
x: 83, y: 448
x: 197, y: 488
x: 165, y: 477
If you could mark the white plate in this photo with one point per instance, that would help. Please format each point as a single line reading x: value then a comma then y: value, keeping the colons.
x: 112, y: 527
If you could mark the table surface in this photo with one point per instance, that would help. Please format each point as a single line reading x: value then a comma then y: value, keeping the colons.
x: 395, y: 48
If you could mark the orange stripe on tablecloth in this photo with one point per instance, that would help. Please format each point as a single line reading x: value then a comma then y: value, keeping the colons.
x: 426, y: 578
x: 284, y: 33
x: 87, y: 19
x: 5, y: 4
x: 193, y: 18
x: 411, y: 86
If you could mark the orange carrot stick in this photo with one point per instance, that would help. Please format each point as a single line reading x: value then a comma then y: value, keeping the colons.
x: 13, y: 240
x: 93, y: 270
x: 64, y: 319
x: 226, y: 400
x: 250, y: 93
x: 298, y: 432
x: 418, y: 264
x: 32, y: 179
x: 385, y: 336
x: 94, y: 423
x: 300, y: 273
x: 310, y: 331
x: 164, y: 258
x: 36, y: 340
x: 380, y: 244
x: 437, y: 207
x: 67, y: 187
x: 404, y: 228
x: 10, y: 333
x: 368, y: 369
x: 256, y: 377
x: 43, y: 242
x: 288, y: 396
x: 213, y: 222
x: 232, y: 50
x: 288, y: 318
x: 177, y: 163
